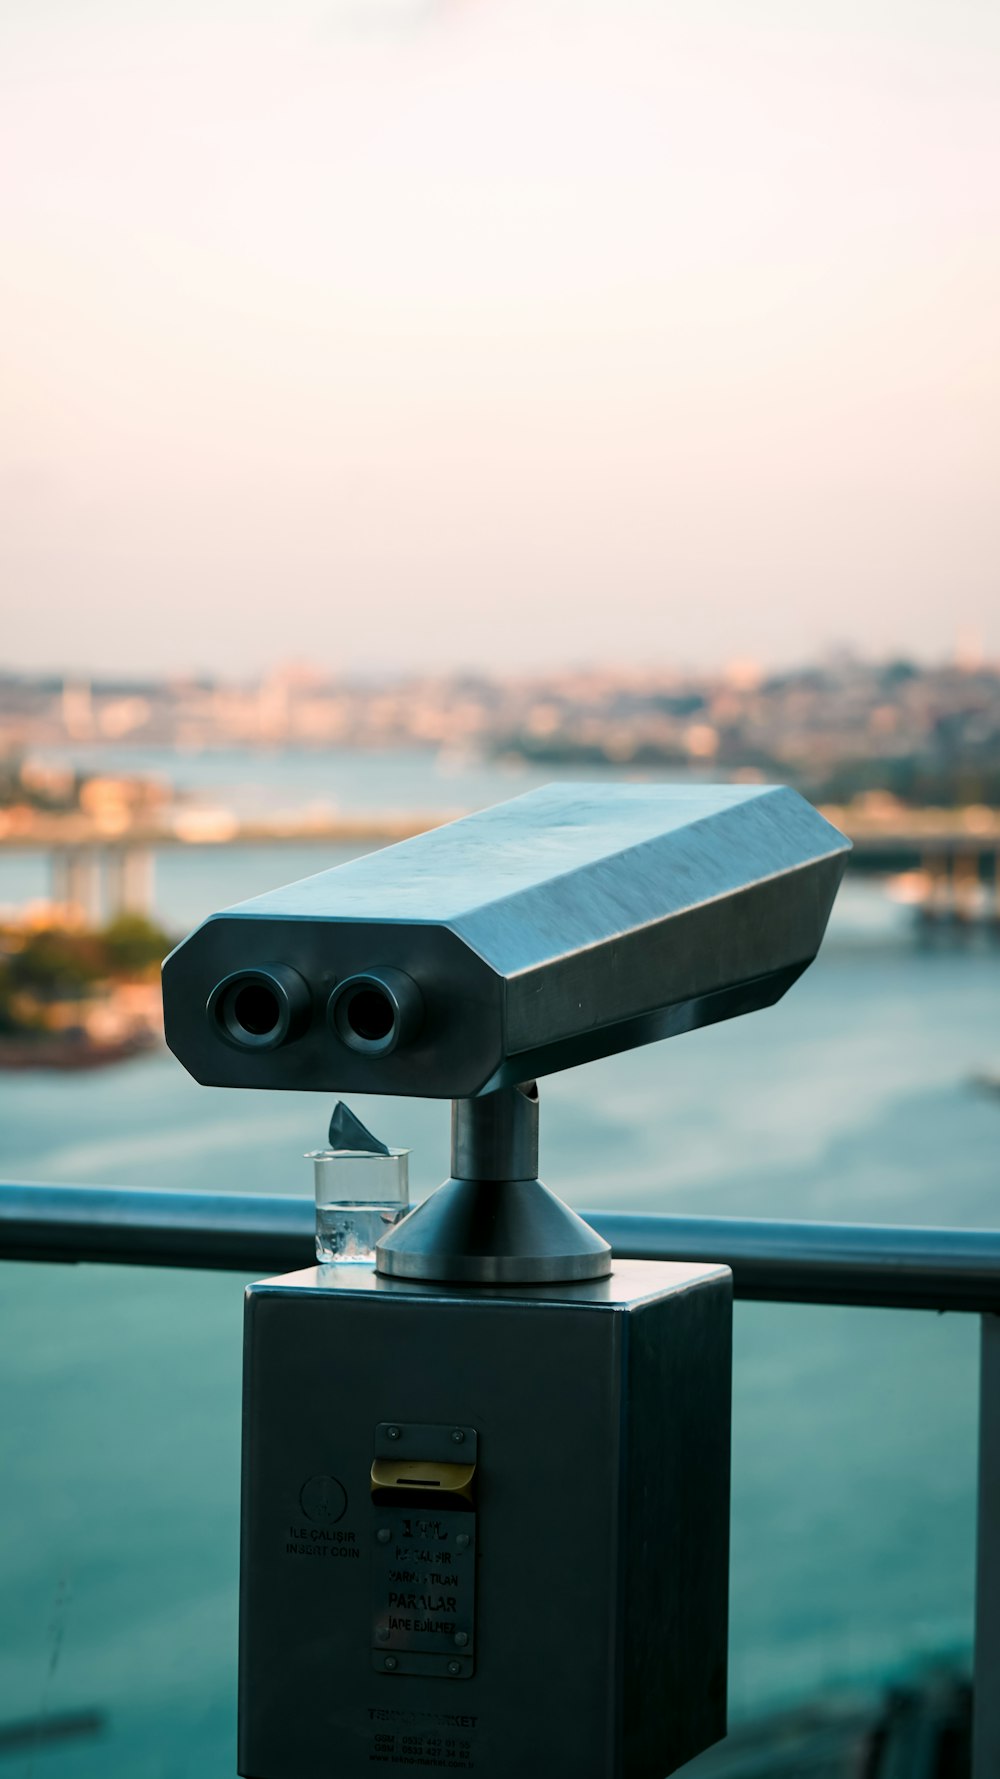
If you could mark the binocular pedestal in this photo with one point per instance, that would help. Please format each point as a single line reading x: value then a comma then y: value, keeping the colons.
x: 493, y: 1222
x: 486, y: 1483
x: 484, y: 1531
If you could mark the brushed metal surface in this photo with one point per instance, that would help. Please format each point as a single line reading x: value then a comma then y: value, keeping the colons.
x: 477, y: 1232
x: 495, y: 1137
x: 601, y: 1526
x: 493, y: 1222
x: 564, y: 925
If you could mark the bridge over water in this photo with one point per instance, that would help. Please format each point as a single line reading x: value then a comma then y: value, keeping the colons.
x: 102, y: 873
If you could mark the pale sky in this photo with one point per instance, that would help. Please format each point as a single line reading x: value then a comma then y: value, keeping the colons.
x: 499, y: 333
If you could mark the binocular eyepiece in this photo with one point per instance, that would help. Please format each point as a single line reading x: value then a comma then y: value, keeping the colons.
x: 375, y: 1011
x: 262, y: 1008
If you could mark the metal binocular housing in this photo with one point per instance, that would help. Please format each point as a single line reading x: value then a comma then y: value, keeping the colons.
x: 567, y: 924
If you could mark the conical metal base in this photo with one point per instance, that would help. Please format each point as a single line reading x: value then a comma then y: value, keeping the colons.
x: 493, y: 1232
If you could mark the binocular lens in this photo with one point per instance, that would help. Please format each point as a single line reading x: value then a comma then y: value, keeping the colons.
x: 370, y: 1014
x: 256, y: 1009
x: 260, y: 1009
x: 375, y: 1012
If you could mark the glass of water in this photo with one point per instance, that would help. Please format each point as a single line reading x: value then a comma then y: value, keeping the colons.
x: 359, y: 1195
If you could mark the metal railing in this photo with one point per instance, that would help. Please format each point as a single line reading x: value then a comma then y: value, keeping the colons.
x: 878, y: 1266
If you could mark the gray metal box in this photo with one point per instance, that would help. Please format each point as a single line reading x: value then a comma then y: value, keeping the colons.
x: 567, y: 1613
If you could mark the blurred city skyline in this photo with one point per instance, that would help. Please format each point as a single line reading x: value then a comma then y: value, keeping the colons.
x: 380, y: 334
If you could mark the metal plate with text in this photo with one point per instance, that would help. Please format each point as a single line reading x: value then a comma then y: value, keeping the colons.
x: 424, y: 1591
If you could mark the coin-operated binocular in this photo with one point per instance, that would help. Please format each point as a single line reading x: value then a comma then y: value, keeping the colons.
x: 486, y: 1481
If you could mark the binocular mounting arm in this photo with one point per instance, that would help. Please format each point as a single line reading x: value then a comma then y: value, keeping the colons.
x: 493, y: 1222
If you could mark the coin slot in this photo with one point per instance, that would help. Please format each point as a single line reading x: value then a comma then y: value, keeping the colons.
x: 447, y: 1479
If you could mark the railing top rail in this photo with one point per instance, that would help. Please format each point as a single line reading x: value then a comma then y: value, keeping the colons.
x: 878, y: 1265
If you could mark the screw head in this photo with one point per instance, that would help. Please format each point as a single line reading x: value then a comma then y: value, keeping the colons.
x: 458, y: 1436
x: 390, y: 1663
x: 384, y: 1534
x: 454, y: 1667
x: 461, y: 1639
x: 462, y: 1541
x: 392, y: 1433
